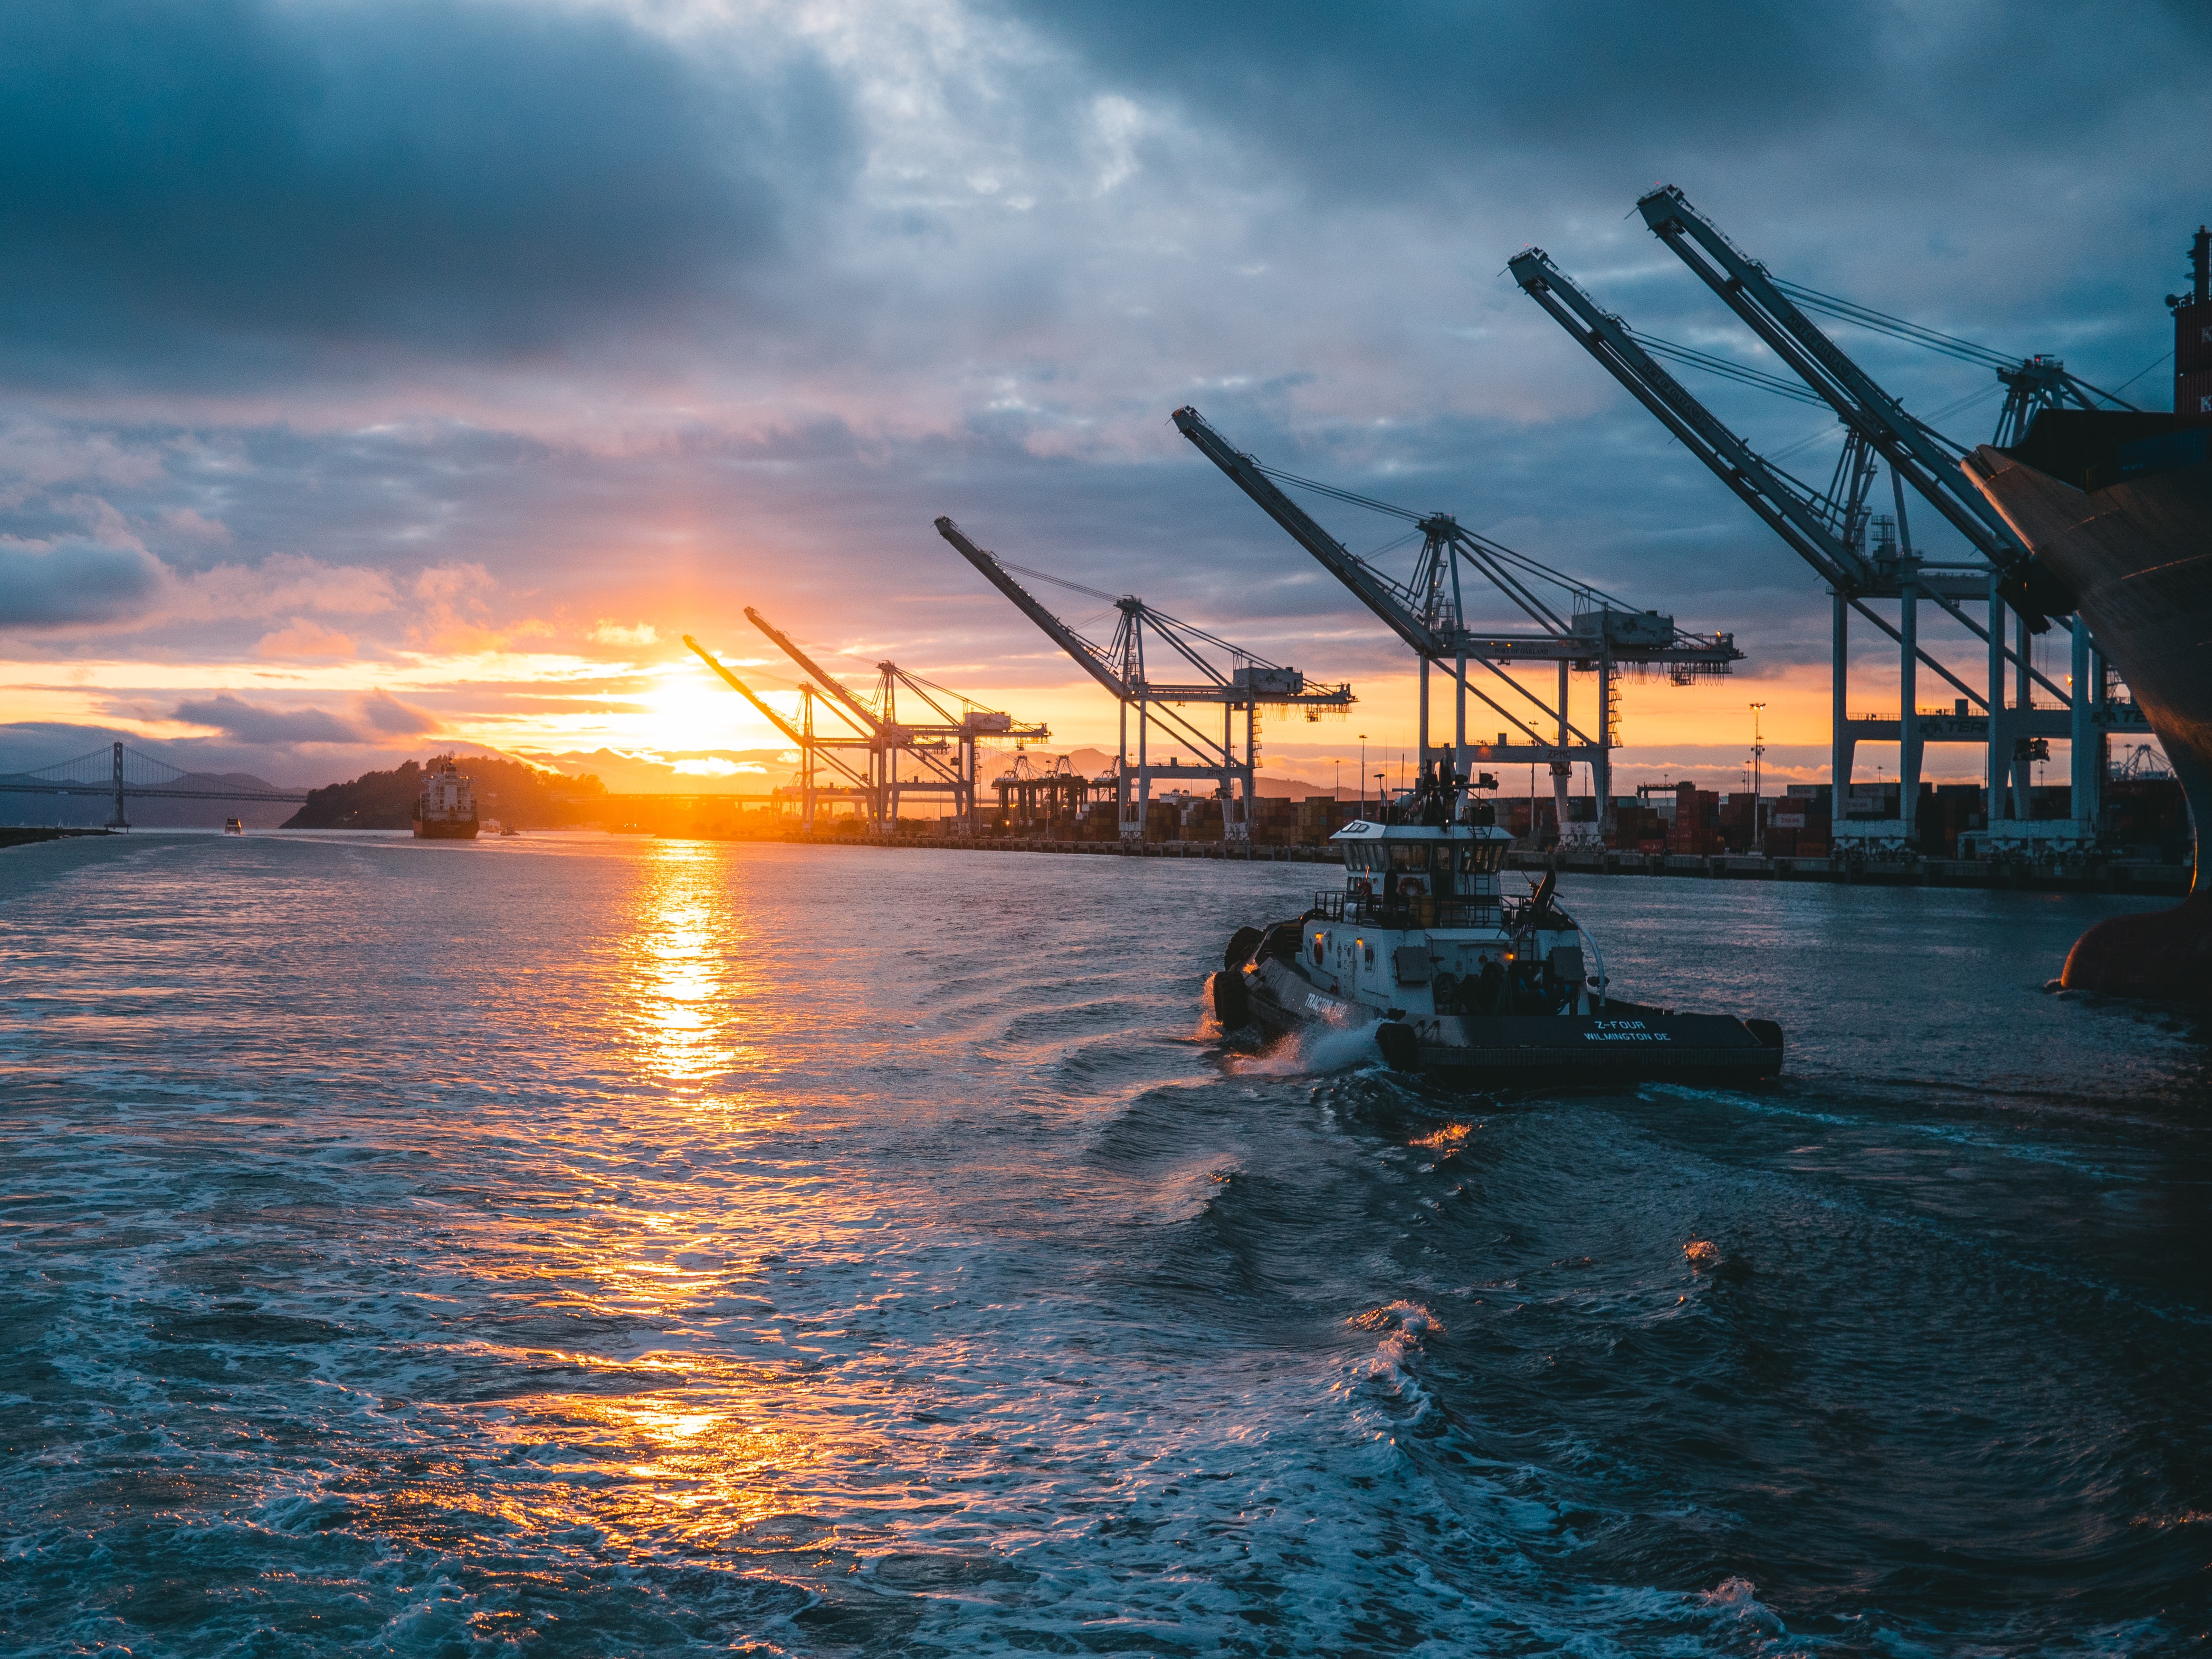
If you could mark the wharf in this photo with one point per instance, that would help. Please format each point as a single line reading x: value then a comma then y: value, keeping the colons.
x: 2089, y: 876
x: 2092, y: 875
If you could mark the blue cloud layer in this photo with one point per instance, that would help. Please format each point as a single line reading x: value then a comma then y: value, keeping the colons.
x: 194, y: 191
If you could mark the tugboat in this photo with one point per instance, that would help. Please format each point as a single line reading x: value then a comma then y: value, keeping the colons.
x: 234, y: 827
x: 1458, y: 981
x: 447, y: 808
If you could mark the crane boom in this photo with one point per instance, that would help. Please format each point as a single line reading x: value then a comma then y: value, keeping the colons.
x: 1087, y: 656
x: 1786, y: 506
x: 829, y: 682
x: 1374, y: 589
x: 1764, y: 490
x: 744, y: 691
x: 774, y: 718
x: 1913, y: 450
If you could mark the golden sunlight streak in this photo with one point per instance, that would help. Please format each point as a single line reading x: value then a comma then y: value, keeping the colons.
x: 681, y: 929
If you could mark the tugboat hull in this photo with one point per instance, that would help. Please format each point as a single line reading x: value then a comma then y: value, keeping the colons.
x: 1625, y: 1043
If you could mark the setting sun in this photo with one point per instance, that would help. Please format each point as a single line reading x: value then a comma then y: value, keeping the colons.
x: 688, y: 708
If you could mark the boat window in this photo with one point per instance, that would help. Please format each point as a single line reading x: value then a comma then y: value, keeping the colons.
x: 1409, y: 855
x: 1363, y: 855
x: 1482, y: 857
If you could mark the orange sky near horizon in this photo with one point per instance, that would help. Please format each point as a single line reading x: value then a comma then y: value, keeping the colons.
x: 627, y: 690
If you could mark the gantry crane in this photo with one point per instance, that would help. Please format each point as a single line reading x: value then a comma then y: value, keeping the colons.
x: 814, y: 750
x: 1598, y: 632
x: 1121, y: 667
x: 1929, y: 462
x: 1828, y: 531
x: 943, y: 750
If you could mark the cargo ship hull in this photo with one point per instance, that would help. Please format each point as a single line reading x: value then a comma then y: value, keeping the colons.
x: 445, y: 829
x: 2135, y: 551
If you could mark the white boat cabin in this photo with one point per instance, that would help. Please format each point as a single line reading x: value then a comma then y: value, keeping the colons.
x: 1421, y: 929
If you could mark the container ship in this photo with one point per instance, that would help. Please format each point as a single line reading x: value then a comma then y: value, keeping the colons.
x: 2117, y: 506
x: 447, y: 808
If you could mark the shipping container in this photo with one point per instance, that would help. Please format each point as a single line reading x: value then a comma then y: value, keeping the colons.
x: 2192, y: 338
x: 2192, y: 392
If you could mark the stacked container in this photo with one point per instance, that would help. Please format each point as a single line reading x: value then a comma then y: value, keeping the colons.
x: 1695, y: 829
x: 2192, y: 359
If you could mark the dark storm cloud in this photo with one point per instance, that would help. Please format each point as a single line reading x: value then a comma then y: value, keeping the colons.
x: 194, y: 189
x: 1394, y: 100
x: 1407, y: 100
x: 71, y: 582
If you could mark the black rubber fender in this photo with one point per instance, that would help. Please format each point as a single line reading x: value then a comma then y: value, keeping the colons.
x: 1242, y: 944
x: 1285, y: 941
x: 1401, y: 1049
x: 1232, y: 1003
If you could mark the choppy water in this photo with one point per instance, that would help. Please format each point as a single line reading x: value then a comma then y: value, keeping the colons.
x: 573, y: 1246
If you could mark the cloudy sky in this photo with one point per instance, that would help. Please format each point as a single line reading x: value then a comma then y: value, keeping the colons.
x: 380, y: 374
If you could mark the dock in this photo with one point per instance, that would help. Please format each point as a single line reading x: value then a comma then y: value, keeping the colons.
x: 2092, y: 875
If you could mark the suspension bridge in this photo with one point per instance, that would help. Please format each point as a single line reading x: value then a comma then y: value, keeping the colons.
x: 120, y: 773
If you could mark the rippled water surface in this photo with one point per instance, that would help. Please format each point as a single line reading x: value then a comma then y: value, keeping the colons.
x: 577, y: 1246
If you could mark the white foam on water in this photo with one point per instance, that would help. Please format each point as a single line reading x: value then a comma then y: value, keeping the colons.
x: 1315, y: 1050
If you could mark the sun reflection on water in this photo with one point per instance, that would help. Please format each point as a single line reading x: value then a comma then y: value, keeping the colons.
x: 627, y: 1471
x: 684, y: 988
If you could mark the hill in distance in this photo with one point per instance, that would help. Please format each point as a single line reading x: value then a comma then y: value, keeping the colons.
x: 510, y: 791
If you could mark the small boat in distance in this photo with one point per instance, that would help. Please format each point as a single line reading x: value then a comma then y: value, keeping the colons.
x: 234, y: 827
x: 1458, y: 981
x: 447, y: 808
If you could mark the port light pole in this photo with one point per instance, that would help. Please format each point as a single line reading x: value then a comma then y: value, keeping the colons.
x: 1758, y: 749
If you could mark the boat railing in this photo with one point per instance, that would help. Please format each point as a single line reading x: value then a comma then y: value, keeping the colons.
x: 1336, y: 904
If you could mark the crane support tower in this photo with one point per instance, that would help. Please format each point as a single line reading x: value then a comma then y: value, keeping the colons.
x: 1830, y: 530
x: 1597, y: 633
x: 1120, y: 667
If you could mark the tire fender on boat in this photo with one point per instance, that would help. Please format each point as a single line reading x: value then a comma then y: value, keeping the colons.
x: 1767, y: 1032
x: 1242, y: 944
x: 1232, y: 1003
x: 1401, y: 1049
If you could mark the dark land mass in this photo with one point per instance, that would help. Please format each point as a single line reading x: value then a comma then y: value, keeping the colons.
x: 507, y: 790
x: 14, y: 837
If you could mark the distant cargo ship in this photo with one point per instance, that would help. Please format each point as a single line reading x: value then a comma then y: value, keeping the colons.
x: 447, y: 808
x: 2117, y: 506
